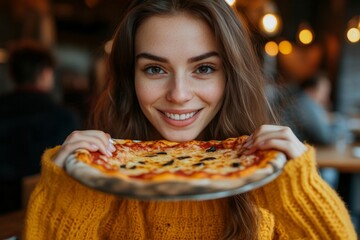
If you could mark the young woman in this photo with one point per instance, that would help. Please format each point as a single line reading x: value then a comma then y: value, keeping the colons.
x: 183, y: 70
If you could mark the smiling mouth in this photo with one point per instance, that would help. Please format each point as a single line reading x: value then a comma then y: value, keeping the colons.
x: 180, y: 117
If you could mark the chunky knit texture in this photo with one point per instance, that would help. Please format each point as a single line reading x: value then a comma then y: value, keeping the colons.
x: 297, y: 205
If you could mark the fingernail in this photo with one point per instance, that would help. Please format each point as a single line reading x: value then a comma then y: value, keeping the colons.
x: 93, y: 146
x: 111, y: 148
x: 108, y: 153
x: 112, y: 141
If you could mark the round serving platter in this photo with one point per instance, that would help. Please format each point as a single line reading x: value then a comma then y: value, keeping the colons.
x: 196, y: 189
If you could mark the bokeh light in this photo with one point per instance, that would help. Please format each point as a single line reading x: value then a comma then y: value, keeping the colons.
x: 285, y: 47
x: 353, y: 35
x: 270, y: 23
x: 271, y: 48
x: 306, y: 36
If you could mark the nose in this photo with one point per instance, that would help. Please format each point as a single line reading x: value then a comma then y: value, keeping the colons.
x: 180, y: 90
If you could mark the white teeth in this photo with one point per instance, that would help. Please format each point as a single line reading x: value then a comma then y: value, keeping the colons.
x: 180, y: 117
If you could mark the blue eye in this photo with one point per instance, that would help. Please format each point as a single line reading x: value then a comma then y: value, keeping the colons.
x: 205, y: 69
x: 154, y: 70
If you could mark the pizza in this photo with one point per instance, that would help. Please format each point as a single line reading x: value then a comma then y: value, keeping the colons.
x: 163, y: 160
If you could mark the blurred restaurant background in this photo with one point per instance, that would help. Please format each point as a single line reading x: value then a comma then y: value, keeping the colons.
x: 294, y: 39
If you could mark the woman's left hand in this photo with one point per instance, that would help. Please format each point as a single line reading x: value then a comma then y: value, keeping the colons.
x: 275, y: 137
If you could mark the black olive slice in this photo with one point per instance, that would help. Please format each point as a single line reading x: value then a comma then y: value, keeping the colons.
x: 198, y: 164
x: 168, y: 163
x: 235, y: 164
x: 208, y: 159
x: 211, y: 149
x: 161, y: 153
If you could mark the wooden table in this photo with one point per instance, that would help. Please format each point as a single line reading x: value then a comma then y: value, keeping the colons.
x: 341, y: 159
x: 12, y: 224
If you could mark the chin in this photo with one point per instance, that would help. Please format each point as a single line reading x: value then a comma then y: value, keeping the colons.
x: 179, y: 136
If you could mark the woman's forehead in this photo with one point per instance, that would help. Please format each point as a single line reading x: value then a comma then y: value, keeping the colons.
x: 180, y: 32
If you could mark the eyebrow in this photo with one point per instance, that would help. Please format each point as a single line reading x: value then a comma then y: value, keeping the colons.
x: 191, y: 60
x: 151, y: 57
x: 203, y: 56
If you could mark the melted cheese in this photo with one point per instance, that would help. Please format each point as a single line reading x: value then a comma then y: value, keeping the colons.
x: 133, y: 159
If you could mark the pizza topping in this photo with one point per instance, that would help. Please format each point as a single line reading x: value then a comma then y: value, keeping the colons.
x: 235, y: 164
x: 168, y: 163
x: 208, y: 158
x: 161, y: 153
x: 198, y: 164
x: 146, y: 160
x: 247, y: 160
x: 211, y: 149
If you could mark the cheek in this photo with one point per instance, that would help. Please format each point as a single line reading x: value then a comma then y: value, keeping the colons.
x: 147, y: 92
x: 141, y: 92
x: 218, y: 97
x: 213, y: 93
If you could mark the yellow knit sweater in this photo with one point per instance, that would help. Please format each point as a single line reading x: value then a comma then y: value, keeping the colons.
x: 297, y: 205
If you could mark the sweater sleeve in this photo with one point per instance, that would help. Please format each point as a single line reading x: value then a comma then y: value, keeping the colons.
x: 304, y: 206
x: 61, y: 208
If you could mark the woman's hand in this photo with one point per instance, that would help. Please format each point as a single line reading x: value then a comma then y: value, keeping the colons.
x: 91, y: 140
x: 275, y: 137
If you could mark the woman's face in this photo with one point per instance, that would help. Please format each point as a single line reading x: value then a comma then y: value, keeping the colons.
x: 179, y: 76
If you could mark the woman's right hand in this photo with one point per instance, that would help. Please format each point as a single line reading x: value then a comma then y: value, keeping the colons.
x: 92, y: 140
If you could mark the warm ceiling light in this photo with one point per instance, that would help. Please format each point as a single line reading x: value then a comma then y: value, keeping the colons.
x: 306, y: 36
x: 270, y: 22
x: 353, y: 29
x: 230, y: 2
x: 271, y: 48
x: 285, y: 47
x: 353, y: 35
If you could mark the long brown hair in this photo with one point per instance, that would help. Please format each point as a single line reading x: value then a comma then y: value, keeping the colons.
x: 244, y: 107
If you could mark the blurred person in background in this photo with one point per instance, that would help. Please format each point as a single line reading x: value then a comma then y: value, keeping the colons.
x: 30, y: 120
x: 310, y: 114
x: 307, y: 110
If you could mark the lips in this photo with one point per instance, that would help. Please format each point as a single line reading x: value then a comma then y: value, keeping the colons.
x: 181, y: 118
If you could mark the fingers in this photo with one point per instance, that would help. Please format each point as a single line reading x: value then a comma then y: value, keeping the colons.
x: 275, y: 137
x: 93, y: 137
x: 91, y: 140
